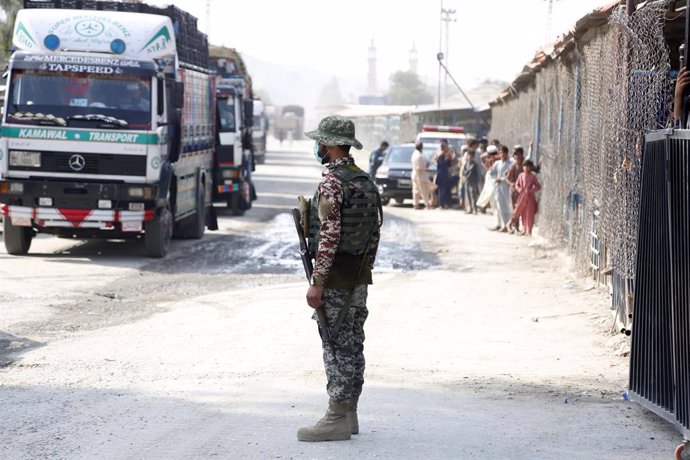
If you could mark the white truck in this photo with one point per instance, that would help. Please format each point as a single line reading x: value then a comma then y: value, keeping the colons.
x: 106, y: 130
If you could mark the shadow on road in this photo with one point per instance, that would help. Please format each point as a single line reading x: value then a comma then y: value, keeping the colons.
x: 12, y: 347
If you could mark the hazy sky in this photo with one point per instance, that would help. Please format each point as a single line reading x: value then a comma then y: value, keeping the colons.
x: 490, y: 39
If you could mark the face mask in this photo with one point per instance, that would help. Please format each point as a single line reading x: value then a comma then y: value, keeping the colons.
x: 322, y: 159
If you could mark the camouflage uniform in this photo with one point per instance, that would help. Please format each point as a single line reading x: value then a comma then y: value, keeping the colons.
x: 344, y: 284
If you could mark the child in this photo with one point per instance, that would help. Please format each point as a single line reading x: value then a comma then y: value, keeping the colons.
x: 527, y: 186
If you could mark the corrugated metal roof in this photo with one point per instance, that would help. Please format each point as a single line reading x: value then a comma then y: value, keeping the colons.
x: 479, y: 96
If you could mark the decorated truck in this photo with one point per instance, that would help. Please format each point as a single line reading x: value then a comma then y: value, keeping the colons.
x: 108, y: 125
x: 234, y: 155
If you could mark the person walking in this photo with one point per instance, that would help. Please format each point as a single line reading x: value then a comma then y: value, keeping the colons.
x: 444, y: 158
x: 376, y: 158
x: 345, y: 219
x: 527, y: 186
x: 421, y: 185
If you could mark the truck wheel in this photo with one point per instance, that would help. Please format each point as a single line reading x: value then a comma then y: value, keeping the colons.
x: 385, y: 200
x: 234, y: 205
x: 400, y: 200
x: 196, y: 225
x: 157, y: 234
x: 17, y: 239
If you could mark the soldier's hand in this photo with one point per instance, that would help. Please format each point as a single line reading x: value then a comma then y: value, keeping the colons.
x: 314, y: 295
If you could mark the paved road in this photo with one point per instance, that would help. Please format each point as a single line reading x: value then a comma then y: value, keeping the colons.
x: 474, y: 341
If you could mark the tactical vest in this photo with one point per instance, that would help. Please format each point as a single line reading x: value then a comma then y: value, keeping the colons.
x: 360, y: 212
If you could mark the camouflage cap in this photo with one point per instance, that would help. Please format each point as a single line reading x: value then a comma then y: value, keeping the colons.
x: 335, y: 130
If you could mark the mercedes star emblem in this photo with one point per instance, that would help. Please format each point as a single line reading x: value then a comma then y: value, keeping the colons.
x: 77, y: 162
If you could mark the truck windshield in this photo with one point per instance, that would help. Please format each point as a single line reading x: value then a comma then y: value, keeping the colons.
x: 66, y: 95
x: 226, y: 116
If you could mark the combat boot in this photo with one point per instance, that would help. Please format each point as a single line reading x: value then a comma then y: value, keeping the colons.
x: 333, y: 426
x: 352, y: 416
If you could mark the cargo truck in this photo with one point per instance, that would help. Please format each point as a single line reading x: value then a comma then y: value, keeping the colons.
x: 108, y: 125
x: 234, y: 153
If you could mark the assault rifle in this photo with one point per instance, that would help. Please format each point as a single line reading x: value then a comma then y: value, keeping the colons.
x: 324, y: 328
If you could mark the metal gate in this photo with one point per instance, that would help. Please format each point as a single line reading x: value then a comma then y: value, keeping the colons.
x: 660, y: 355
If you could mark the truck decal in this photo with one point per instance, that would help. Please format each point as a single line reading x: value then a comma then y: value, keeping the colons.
x: 24, y: 37
x: 73, y: 135
x: 163, y: 33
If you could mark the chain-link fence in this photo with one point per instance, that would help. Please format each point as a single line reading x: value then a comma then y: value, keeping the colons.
x: 584, y: 114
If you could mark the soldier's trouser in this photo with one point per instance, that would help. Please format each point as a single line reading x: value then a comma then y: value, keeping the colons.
x: 345, y: 370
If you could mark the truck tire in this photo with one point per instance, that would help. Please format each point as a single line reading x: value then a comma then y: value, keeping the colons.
x: 17, y: 239
x: 157, y: 234
x: 195, y: 226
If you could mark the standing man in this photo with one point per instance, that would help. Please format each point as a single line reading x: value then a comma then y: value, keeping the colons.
x: 344, y: 228
x: 421, y: 185
x: 376, y: 158
x: 470, y: 173
x: 504, y: 207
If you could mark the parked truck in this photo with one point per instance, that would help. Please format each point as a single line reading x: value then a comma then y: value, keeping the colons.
x: 234, y: 155
x: 108, y: 125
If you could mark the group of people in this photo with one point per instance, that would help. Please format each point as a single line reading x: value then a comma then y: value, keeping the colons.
x: 485, y: 176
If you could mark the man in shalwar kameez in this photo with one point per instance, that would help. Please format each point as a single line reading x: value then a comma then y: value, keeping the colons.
x: 502, y: 195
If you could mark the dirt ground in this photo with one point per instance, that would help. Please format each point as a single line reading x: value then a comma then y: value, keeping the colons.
x: 479, y: 345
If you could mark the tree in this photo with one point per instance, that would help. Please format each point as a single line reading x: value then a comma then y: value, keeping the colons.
x: 10, y: 8
x: 330, y: 95
x: 407, y: 89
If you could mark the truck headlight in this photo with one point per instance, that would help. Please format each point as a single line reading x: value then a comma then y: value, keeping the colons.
x: 25, y: 159
x: 137, y: 192
x: 16, y: 187
x: 231, y: 174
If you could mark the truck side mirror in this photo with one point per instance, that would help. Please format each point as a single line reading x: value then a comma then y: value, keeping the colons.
x: 248, y: 113
x: 161, y: 96
x: 179, y: 95
x: 175, y: 133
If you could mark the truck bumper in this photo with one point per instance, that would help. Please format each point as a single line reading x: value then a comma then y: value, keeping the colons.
x: 77, y: 205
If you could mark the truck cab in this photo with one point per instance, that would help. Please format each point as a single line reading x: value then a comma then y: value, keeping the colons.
x: 104, y: 130
x: 233, y: 158
x: 234, y: 152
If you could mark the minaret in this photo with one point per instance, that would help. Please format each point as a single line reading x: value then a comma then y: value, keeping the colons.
x: 413, y: 58
x: 372, y: 68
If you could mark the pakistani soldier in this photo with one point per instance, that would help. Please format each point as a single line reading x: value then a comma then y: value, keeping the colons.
x: 344, y: 227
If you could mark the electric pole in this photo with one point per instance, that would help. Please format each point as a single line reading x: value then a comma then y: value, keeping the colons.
x: 440, y: 55
x: 208, y: 19
x: 447, y: 16
x: 549, y: 19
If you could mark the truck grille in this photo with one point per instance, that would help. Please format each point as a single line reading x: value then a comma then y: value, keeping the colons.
x: 91, y: 163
